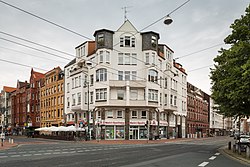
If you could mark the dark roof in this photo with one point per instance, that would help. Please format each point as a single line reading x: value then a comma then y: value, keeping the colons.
x: 103, y: 30
x: 151, y: 32
x: 70, y: 63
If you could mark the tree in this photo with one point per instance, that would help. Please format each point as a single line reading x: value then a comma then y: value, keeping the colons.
x: 231, y: 73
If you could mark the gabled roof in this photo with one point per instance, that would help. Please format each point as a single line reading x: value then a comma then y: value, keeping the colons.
x: 127, y: 26
x: 36, y: 75
x: 9, y: 89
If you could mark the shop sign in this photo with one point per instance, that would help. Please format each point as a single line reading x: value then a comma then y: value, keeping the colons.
x: 137, y: 122
x: 163, y: 123
x: 113, y: 123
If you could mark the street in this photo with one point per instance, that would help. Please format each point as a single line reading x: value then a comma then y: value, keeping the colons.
x: 39, y: 152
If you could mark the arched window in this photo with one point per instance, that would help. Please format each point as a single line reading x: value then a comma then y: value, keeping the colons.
x: 152, y: 76
x: 101, y: 75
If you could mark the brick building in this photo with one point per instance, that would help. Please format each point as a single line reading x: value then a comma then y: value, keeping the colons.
x: 198, y: 103
x: 52, y: 97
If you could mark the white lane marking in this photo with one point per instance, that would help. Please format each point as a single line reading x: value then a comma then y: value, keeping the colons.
x: 42, y: 151
x: 46, y: 153
x: 32, y: 151
x: 217, y: 154
x: 65, y: 149
x: 65, y: 152
x: 57, y: 150
x: 15, y: 155
x: 57, y: 153
x: 80, y: 151
x: 12, y: 153
x: 22, y: 152
x: 212, y: 158
x: 3, y: 156
x: 203, y: 164
x: 37, y: 154
x: 27, y: 155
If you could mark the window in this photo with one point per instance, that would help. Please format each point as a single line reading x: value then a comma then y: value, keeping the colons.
x: 152, y: 95
x: 107, y: 57
x: 73, y: 99
x: 101, y: 57
x: 79, y: 98
x: 127, y: 75
x: 171, y: 99
x: 109, y: 114
x: 134, y: 58
x: 68, y: 102
x: 127, y: 59
x: 127, y: 41
x: 101, y: 94
x: 91, y: 79
x: 119, y: 114
x: 153, y: 58
x: 73, y: 83
x: 134, y: 114
x: 121, y: 42
x: 166, y: 83
x: 152, y: 76
x: 144, y: 114
x: 100, y: 39
x: 86, y: 97
x: 101, y: 75
x: 153, y: 41
x: 147, y: 58
x: 80, y: 82
x: 120, y: 58
x: 134, y: 73
x: 175, y: 100
x: 76, y: 82
x: 132, y: 42
x: 120, y: 94
x: 133, y: 94
x: 120, y: 75
x: 91, y: 97
x: 165, y: 99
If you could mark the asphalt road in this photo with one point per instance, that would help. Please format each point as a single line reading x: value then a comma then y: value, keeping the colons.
x: 198, y: 153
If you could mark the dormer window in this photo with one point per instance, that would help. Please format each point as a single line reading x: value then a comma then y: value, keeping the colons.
x: 127, y: 41
x: 153, y: 41
x: 100, y: 39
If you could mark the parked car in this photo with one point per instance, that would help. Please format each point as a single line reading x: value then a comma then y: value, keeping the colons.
x: 244, y: 139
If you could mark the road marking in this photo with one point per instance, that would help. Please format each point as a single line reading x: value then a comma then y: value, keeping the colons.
x: 217, y: 154
x: 37, y: 154
x: 42, y: 151
x: 15, y: 155
x: 65, y: 149
x: 22, y: 152
x: 3, y: 156
x: 65, y: 152
x: 12, y: 153
x: 46, y: 153
x: 80, y: 151
x: 203, y: 164
x: 57, y: 153
x: 32, y: 151
x: 212, y: 158
x: 27, y: 155
x: 57, y: 150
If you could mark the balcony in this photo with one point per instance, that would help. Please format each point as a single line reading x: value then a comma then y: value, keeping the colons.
x: 132, y: 83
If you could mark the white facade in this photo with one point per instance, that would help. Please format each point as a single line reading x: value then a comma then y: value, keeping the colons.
x: 132, y: 81
x: 5, y: 103
x: 218, y: 124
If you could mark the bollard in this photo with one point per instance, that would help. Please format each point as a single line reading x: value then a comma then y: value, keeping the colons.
x: 12, y: 141
x: 234, y: 148
x: 248, y: 152
x: 229, y: 145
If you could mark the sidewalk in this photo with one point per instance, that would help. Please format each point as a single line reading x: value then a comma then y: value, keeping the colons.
x: 7, y: 145
x: 235, y: 156
x: 141, y: 141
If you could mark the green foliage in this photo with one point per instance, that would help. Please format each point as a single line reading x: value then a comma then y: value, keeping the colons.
x: 231, y: 74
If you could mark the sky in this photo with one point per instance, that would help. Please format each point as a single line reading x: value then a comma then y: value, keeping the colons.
x: 196, y: 26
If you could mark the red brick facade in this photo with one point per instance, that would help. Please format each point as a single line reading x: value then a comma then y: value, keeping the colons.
x: 198, y: 112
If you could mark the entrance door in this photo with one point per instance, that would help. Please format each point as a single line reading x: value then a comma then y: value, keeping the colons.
x: 133, y: 133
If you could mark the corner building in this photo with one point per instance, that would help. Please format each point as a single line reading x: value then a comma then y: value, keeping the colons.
x: 125, y: 85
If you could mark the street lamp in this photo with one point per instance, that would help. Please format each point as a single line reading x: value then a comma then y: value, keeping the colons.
x: 168, y: 20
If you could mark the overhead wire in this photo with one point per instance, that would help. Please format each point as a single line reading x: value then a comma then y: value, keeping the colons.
x: 46, y: 20
x: 30, y: 54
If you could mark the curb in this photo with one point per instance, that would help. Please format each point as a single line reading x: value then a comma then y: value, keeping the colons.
x: 234, y: 157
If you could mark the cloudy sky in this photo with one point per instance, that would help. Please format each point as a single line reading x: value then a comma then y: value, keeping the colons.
x: 198, y: 25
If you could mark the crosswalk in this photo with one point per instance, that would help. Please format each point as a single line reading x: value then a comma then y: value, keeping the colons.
x: 48, y: 151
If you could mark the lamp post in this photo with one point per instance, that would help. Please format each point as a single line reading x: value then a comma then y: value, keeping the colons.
x: 88, y: 64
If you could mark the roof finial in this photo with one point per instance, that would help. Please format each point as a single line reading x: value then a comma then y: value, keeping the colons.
x: 125, y: 12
